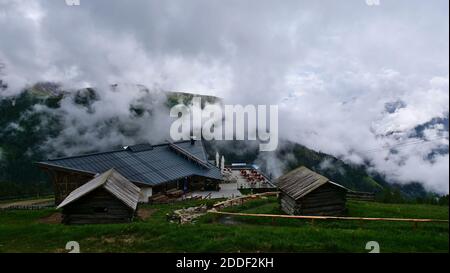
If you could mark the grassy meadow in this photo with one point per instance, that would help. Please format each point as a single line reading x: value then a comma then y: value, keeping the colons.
x: 32, y: 231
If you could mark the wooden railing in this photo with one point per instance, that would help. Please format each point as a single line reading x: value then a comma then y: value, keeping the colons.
x: 330, y: 217
x: 241, y: 200
x: 361, y: 196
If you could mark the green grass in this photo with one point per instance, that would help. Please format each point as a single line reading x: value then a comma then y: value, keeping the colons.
x: 21, y: 231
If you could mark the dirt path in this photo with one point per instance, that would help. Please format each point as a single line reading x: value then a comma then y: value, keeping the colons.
x: 33, y: 202
x: 145, y: 213
x: 54, y: 218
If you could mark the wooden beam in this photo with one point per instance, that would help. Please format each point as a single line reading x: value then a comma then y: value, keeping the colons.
x: 332, y: 217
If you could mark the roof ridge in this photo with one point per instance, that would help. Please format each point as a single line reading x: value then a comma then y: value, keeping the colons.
x: 301, y: 181
x: 84, y: 155
x: 189, y: 155
x: 150, y: 167
x: 104, y: 177
x: 112, y: 151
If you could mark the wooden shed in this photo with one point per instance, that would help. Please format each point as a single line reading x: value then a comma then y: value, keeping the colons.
x: 304, y: 192
x: 108, y: 198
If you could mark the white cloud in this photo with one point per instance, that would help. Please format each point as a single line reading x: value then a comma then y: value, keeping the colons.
x: 331, y: 66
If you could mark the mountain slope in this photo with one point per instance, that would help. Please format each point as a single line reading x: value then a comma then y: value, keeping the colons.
x: 37, y: 124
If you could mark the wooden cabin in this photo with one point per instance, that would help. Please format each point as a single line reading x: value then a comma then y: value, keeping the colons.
x: 108, y: 198
x: 304, y: 192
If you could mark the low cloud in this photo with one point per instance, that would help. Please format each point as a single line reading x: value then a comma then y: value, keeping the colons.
x: 351, y: 80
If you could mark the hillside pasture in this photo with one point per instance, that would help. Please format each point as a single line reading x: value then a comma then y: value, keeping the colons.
x: 26, y: 231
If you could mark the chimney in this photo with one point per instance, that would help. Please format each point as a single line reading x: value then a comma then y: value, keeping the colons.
x: 217, y: 160
x: 222, y: 163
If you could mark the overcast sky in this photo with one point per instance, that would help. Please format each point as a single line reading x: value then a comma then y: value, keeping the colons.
x: 331, y: 66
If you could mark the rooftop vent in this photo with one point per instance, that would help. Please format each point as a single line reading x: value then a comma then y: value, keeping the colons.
x: 140, y: 147
x: 193, y: 138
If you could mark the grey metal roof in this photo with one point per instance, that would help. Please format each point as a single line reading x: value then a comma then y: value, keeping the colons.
x: 180, y: 150
x: 113, y: 182
x: 302, y: 181
x: 140, y: 147
x: 152, y: 166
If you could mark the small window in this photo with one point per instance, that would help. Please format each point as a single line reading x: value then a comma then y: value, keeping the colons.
x: 100, y: 210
